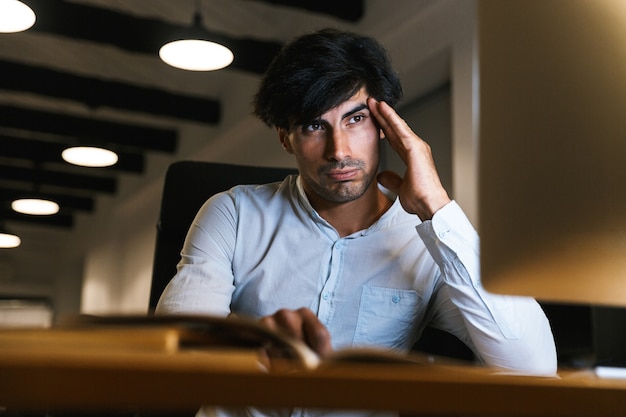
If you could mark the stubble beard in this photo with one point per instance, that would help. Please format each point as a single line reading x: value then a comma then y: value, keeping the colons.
x: 343, y: 191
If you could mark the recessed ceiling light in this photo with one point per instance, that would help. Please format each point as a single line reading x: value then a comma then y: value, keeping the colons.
x: 15, y: 16
x: 89, y: 156
x: 8, y: 240
x: 35, y: 206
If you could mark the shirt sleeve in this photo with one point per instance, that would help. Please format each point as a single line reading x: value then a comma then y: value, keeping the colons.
x: 506, y: 332
x: 204, y: 282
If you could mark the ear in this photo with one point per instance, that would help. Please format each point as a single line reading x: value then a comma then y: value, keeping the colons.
x: 283, y: 136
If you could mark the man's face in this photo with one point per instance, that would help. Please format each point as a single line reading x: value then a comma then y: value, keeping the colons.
x: 337, y: 153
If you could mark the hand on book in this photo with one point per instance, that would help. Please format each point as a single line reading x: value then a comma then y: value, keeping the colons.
x: 301, y: 324
x: 286, y: 340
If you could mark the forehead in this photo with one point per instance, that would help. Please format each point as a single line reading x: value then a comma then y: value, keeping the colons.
x: 357, y: 100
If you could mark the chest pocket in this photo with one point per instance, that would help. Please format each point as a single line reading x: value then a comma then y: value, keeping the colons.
x: 386, y: 317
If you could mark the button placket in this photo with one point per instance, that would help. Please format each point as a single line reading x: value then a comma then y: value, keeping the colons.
x: 327, y: 294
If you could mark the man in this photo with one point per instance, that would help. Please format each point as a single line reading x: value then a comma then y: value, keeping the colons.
x: 328, y: 255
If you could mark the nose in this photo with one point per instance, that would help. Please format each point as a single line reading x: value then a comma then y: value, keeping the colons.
x: 337, y: 145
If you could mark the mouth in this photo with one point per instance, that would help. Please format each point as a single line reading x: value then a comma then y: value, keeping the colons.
x: 342, y: 175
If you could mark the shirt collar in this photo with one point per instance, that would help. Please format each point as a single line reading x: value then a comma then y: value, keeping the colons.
x: 381, y: 223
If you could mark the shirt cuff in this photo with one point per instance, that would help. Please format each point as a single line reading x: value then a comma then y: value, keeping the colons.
x: 450, y: 235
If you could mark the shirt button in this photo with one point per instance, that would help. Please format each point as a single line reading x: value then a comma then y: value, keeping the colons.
x: 442, y: 235
x: 395, y: 299
x: 325, y: 296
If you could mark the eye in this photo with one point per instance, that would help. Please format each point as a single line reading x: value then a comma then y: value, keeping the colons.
x: 357, y: 118
x: 313, y: 127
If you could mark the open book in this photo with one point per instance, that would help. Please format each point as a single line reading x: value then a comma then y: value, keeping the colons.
x: 231, y: 341
x: 195, y: 332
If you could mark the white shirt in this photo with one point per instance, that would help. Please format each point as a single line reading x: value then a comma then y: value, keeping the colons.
x: 255, y: 249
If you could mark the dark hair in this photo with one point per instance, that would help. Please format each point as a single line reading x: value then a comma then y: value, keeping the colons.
x: 318, y: 71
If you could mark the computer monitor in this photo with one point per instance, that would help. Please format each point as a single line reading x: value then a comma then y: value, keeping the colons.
x: 552, y: 167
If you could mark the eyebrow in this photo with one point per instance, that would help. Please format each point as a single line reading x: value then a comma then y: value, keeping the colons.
x: 350, y: 112
x: 358, y: 108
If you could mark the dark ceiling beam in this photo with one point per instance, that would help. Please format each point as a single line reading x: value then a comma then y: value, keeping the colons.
x: 91, y: 131
x: 40, y: 151
x: 60, y: 219
x: 46, y: 177
x: 350, y: 10
x: 137, y: 34
x: 96, y: 93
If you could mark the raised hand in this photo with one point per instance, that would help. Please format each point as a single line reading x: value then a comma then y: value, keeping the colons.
x: 420, y: 191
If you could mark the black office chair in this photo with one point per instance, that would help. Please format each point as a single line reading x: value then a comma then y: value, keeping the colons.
x: 188, y: 184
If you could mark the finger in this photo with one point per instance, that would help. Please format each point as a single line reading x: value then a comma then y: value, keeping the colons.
x: 390, y: 180
x: 372, y: 104
x: 397, y: 132
x: 392, y: 124
x: 288, y: 322
x: 381, y: 120
x: 285, y: 322
x: 316, y: 335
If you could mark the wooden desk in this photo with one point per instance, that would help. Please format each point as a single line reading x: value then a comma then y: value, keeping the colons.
x: 148, y: 380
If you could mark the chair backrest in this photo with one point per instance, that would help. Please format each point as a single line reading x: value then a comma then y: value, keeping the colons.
x: 188, y: 184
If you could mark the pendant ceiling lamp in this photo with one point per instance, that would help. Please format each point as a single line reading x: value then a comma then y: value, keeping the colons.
x: 35, y: 206
x: 15, y: 16
x: 31, y: 203
x: 8, y: 239
x: 193, y: 50
x: 89, y: 156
